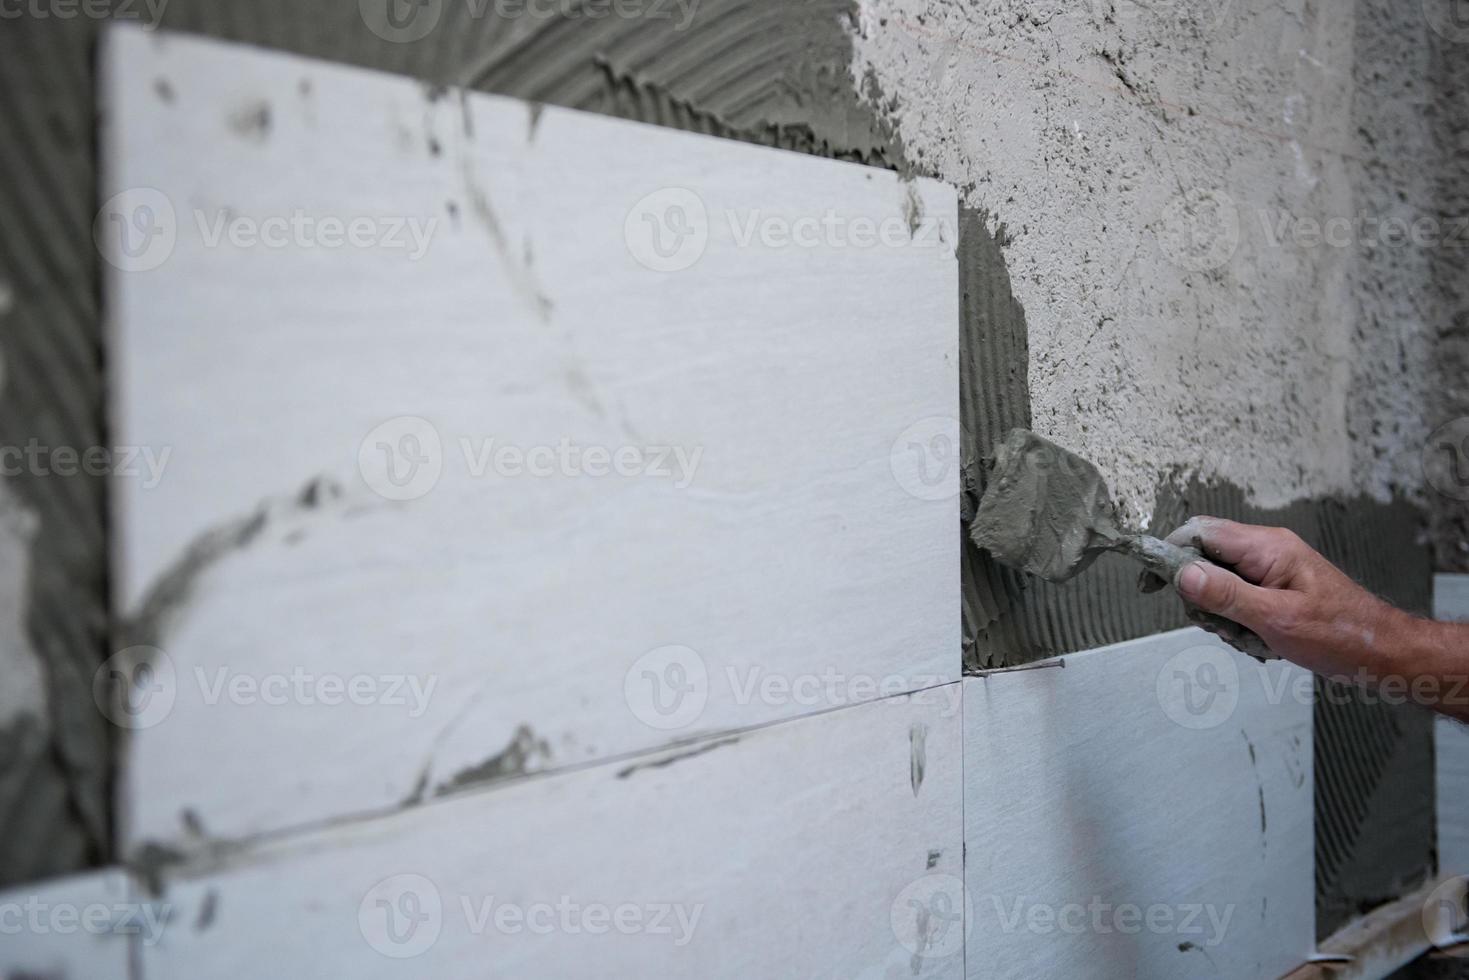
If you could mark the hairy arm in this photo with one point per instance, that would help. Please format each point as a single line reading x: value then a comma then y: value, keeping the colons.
x: 1308, y: 612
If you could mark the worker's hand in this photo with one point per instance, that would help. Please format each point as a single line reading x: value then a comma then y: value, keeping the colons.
x: 1300, y: 604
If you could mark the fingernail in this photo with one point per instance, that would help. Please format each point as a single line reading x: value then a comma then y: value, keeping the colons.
x: 1191, y: 579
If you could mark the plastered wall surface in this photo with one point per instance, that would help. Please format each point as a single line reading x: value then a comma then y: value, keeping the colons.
x: 1199, y: 202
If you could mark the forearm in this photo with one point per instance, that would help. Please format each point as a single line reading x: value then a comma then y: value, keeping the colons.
x: 1398, y: 657
x: 1425, y: 662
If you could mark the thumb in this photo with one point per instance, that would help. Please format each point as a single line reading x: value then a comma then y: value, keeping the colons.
x: 1220, y: 591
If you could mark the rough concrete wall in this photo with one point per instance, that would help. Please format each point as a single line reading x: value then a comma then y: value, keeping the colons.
x: 1165, y: 173
x: 1397, y: 312
x: 1448, y: 464
x: 1411, y: 109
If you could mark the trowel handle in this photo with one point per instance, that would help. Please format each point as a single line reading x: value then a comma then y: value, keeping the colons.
x: 1162, y: 561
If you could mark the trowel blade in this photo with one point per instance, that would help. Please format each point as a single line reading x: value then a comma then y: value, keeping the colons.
x: 1045, y: 510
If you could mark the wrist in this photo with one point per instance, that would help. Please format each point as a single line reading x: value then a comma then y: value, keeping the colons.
x: 1412, y: 645
x: 1403, y: 642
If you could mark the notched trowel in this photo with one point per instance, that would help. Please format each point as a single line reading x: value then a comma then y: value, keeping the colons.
x: 1046, y: 511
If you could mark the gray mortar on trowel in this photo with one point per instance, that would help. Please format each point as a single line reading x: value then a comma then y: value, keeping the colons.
x: 1046, y: 512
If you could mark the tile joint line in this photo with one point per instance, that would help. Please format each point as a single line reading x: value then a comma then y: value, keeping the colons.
x: 1059, y: 662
